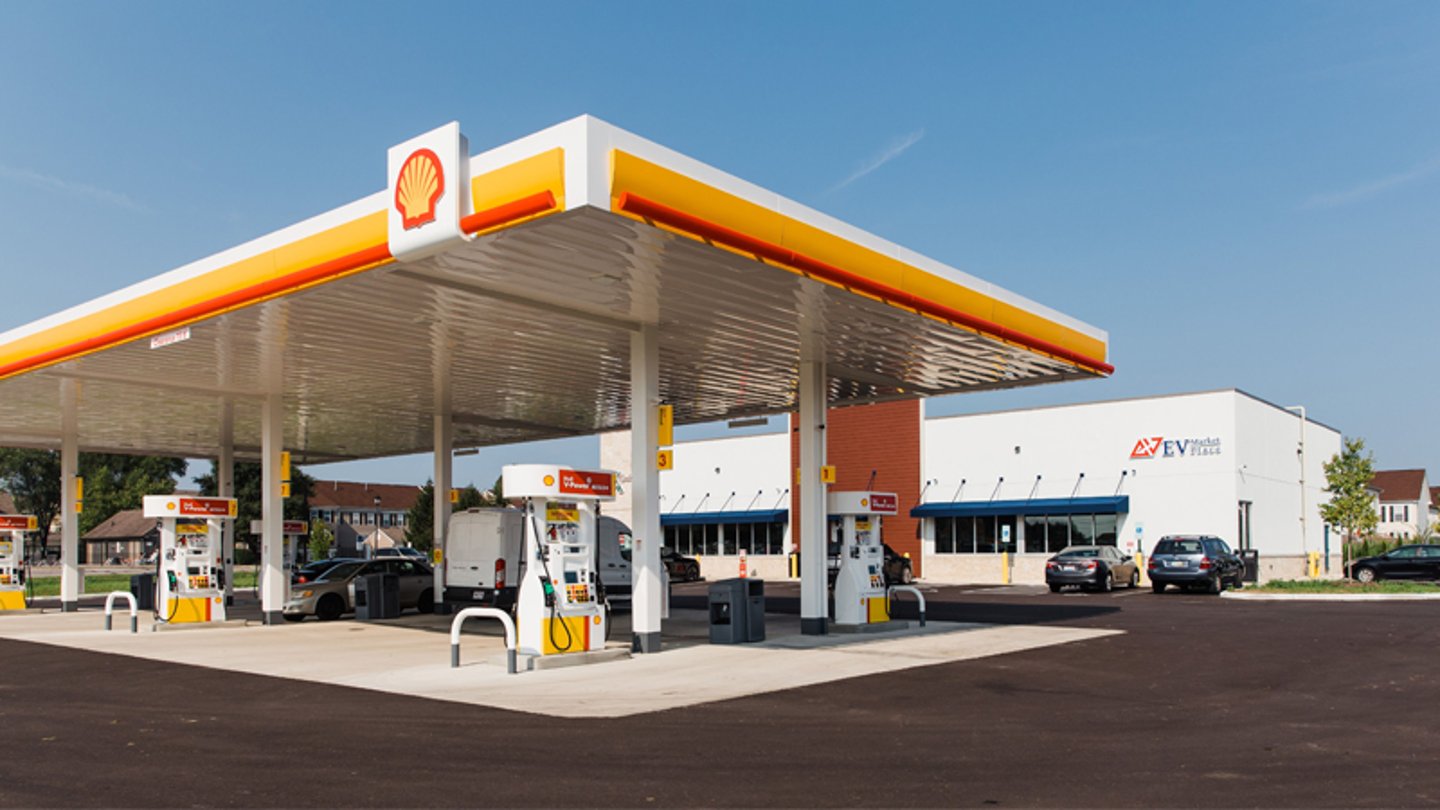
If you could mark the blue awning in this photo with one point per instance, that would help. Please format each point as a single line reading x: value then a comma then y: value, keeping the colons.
x: 700, y: 518
x: 1117, y: 505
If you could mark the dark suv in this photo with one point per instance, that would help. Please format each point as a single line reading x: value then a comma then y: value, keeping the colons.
x: 1193, y: 561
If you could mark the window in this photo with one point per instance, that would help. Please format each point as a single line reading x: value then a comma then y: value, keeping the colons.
x: 727, y: 531
x: 1058, y: 535
x: 1082, y: 530
x: 1035, y: 535
x: 1106, y: 531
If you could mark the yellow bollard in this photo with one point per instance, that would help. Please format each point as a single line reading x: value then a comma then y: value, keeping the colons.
x: 1140, y: 567
x: 1004, y: 568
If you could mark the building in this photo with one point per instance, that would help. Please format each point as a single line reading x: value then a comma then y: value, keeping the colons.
x: 1405, y: 502
x: 983, y: 491
x: 127, y: 536
x: 354, y: 510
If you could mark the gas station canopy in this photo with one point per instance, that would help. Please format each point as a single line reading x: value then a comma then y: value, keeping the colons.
x: 574, y: 238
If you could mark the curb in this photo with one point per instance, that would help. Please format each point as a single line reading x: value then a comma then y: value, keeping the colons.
x: 1331, y: 597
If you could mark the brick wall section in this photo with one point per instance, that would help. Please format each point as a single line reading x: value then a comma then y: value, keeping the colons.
x: 884, y: 437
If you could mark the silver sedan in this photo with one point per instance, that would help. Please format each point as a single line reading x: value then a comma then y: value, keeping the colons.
x: 333, y: 594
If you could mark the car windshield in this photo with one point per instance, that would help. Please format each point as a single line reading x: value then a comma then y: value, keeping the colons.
x: 1089, y: 551
x: 341, y: 571
x: 1180, y: 547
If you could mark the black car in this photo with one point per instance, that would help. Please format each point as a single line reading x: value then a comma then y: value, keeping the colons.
x: 1194, y: 561
x: 1405, y: 562
x: 1099, y: 567
x: 681, y: 568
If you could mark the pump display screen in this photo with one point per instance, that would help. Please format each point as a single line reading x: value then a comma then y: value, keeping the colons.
x: 571, y: 577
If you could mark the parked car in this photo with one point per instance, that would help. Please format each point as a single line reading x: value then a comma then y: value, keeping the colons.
x: 681, y: 568
x: 1405, y: 562
x: 1099, y: 567
x: 1194, y: 561
x: 402, y: 551
x: 332, y: 595
x: 897, y: 568
x: 311, y: 571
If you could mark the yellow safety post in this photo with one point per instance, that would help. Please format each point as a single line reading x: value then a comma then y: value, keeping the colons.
x: 1140, y: 567
x: 1004, y: 568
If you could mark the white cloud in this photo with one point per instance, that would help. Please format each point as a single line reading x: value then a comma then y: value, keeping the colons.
x: 49, y: 183
x: 1365, y: 191
x: 895, y: 149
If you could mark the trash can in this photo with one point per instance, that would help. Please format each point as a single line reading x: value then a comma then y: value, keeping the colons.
x: 755, y: 609
x: 729, y: 622
x: 1251, y: 558
x: 377, y: 596
x: 142, y: 587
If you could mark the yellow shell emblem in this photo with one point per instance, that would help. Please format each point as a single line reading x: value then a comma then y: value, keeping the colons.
x: 418, y: 188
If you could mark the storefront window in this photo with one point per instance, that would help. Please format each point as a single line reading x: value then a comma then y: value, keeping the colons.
x: 1082, y: 530
x: 728, y: 532
x: 712, y: 538
x: 1058, y: 535
x: 1035, y: 535
x: 1105, y: 530
x: 986, y: 535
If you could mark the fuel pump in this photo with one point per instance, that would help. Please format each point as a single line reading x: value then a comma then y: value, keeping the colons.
x: 860, y: 596
x: 292, y: 531
x: 559, y: 608
x: 13, y: 574
x: 191, y: 572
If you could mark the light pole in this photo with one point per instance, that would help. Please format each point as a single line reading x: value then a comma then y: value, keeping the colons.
x: 1303, y: 522
x: 375, y: 535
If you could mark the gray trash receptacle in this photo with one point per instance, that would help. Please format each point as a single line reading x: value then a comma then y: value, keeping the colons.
x: 729, y: 623
x: 142, y: 587
x: 755, y: 609
x: 377, y: 596
x: 1251, y: 558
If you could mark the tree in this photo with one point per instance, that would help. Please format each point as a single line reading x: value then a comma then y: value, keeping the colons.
x: 1352, y: 506
x: 321, y: 539
x: 32, y: 477
x: 113, y: 483
x: 247, y: 493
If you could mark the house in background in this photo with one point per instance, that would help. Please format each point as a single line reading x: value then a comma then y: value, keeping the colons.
x: 1406, y: 503
x: 353, y: 510
x: 127, y: 536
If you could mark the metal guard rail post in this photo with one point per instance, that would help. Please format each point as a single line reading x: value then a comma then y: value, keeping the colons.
x: 478, y: 613
x: 134, y: 611
x: 918, y: 595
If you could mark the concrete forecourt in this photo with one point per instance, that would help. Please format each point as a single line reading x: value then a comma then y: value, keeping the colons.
x: 1173, y: 700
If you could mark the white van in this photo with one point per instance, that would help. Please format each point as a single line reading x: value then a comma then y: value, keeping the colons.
x: 483, y: 557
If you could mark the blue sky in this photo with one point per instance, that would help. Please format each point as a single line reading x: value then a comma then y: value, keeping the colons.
x: 1243, y: 194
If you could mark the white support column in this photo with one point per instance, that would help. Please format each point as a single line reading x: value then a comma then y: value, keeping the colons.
x: 647, y: 594
x: 225, y: 488
x: 69, y: 517
x: 814, y: 604
x: 444, y: 475
x: 274, y: 587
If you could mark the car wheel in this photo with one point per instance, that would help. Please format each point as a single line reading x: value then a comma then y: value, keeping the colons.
x: 1134, y: 579
x: 427, y: 601
x: 294, y: 617
x: 1365, y: 575
x: 1054, y: 588
x: 692, y: 572
x: 329, y: 608
x: 906, y: 576
x: 1217, y: 585
x: 1157, y: 587
x: 1107, y: 584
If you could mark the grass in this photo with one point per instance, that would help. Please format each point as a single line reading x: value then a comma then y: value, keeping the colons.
x: 1343, y: 586
x: 105, y: 583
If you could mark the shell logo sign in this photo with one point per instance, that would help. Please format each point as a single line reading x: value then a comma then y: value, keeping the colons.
x: 420, y: 185
x: 429, y: 192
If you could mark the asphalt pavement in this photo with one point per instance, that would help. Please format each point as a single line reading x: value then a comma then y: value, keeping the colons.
x: 1202, y: 702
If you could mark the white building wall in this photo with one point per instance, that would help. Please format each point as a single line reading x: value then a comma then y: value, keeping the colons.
x: 1187, y: 482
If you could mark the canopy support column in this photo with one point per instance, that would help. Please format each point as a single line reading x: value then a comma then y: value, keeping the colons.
x: 647, y: 587
x: 444, y: 475
x: 274, y: 586
x: 69, y: 508
x: 225, y: 488
x: 814, y: 604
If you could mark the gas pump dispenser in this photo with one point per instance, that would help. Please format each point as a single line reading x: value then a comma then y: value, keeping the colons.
x: 860, y: 596
x: 559, y: 608
x: 191, y: 572
x: 12, y: 559
x: 292, y: 531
